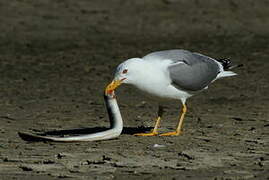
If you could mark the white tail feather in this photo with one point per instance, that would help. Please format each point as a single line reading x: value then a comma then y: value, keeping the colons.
x: 226, y: 74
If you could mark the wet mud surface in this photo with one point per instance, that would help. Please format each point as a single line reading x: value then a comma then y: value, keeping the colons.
x: 56, y: 57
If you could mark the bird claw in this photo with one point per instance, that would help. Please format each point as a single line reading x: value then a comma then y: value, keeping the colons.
x: 174, y: 133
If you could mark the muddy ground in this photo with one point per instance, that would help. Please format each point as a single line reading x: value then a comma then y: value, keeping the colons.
x: 57, y: 56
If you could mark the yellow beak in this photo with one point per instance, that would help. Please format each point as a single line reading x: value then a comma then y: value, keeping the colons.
x: 112, y: 86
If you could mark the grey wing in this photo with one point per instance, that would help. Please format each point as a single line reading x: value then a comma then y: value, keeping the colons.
x: 196, y: 73
x: 174, y: 55
x: 188, y: 71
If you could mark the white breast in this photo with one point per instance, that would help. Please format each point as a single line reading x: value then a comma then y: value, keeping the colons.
x: 155, y: 80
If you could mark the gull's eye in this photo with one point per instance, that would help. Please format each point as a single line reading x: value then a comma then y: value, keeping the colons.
x: 124, y: 71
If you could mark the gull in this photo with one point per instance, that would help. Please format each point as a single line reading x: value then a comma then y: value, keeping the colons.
x: 171, y: 74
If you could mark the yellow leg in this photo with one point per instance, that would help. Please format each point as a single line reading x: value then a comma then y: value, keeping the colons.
x: 154, y: 132
x: 180, y: 123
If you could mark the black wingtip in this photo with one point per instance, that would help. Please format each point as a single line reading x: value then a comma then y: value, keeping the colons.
x: 227, y: 64
x: 235, y: 66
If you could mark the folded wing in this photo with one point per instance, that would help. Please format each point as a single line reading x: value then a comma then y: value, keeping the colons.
x: 188, y: 71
